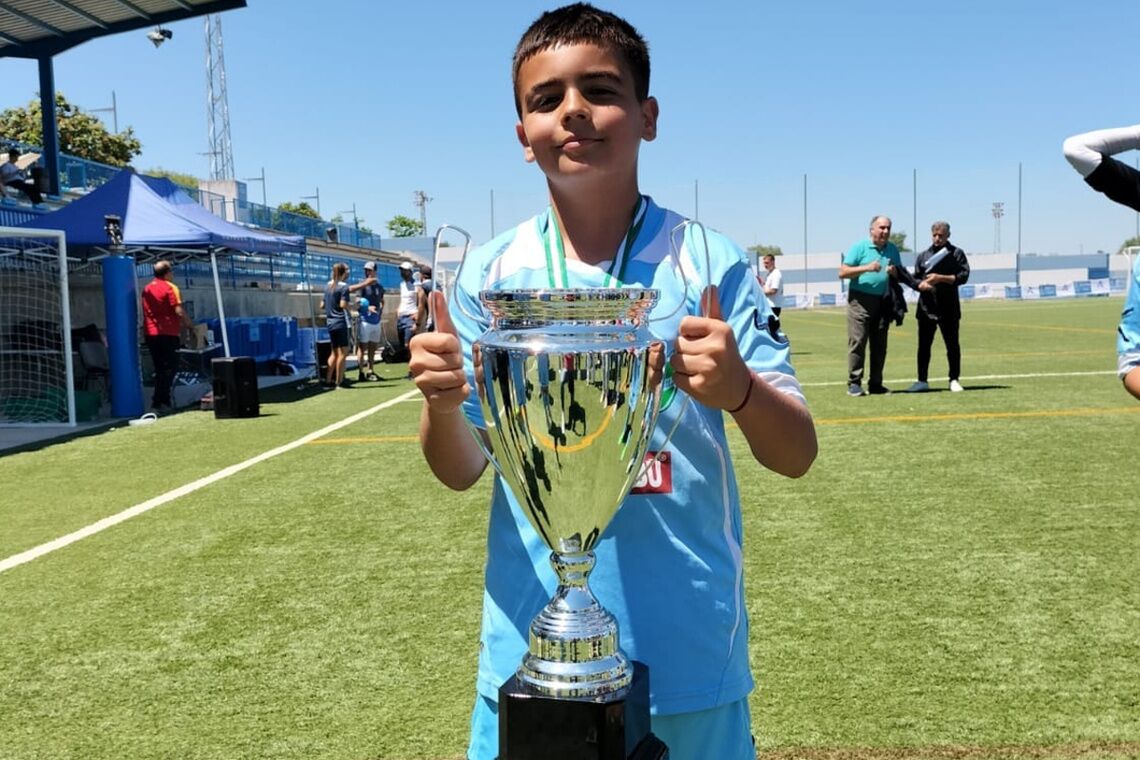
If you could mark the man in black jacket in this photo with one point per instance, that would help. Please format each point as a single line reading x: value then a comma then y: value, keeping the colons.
x: 939, y: 270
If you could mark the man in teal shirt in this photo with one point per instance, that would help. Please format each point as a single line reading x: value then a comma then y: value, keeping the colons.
x: 869, y: 264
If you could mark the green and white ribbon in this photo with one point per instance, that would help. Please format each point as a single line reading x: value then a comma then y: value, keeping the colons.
x: 556, y: 252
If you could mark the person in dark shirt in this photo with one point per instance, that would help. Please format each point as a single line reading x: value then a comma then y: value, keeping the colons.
x: 369, y: 335
x: 13, y: 176
x: 939, y: 271
x: 336, y: 319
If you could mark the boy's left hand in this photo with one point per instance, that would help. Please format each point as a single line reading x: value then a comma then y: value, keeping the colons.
x: 707, y: 363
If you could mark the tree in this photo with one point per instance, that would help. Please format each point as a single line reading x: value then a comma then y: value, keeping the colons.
x: 404, y: 226
x: 766, y: 250
x: 80, y: 134
x: 178, y: 178
x: 899, y: 239
x: 1129, y: 243
x: 300, y: 209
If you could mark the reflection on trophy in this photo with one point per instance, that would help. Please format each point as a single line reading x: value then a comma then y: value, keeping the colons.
x: 568, y: 381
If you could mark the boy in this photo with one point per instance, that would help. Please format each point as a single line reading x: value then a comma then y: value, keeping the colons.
x: 669, y: 567
x: 1091, y: 155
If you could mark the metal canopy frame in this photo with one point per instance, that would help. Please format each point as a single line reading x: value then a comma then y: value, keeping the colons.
x: 46, y: 28
x: 41, y: 29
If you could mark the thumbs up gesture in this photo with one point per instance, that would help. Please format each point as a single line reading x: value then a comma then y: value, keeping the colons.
x: 707, y: 363
x: 437, y: 361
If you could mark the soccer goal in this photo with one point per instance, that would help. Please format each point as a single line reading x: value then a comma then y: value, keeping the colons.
x: 36, y: 369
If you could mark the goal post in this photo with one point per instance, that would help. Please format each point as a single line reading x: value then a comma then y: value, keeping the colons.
x: 37, y: 372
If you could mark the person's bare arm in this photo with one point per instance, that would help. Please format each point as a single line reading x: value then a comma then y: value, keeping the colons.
x: 708, y: 366
x: 437, y: 366
x: 847, y: 272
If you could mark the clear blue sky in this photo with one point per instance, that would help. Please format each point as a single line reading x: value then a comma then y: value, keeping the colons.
x: 371, y: 100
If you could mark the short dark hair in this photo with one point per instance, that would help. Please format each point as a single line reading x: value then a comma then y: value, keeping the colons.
x: 583, y: 23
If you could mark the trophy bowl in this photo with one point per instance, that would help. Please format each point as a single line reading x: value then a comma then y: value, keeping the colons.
x: 569, y: 381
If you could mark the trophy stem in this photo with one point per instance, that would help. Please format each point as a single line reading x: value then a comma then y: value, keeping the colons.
x: 574, y: 650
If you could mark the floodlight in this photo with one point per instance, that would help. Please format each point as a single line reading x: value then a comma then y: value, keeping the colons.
x: 158, y: 35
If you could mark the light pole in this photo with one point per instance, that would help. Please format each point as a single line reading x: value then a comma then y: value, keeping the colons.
x: 316, y: 196
x: 114, y: 109
x: 355, y: 223
x: 261, y: 179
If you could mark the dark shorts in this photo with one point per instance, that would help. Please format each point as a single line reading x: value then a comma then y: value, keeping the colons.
x: 339, y: 337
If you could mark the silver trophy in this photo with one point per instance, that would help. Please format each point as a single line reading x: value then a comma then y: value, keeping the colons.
x: 569, y: 392
x: 569, y: 382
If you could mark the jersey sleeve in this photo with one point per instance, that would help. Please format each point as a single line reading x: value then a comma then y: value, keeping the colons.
x: 853, y: 255
x: 1128, y: 333
x: 1118, y: 181
x: 761, y: 342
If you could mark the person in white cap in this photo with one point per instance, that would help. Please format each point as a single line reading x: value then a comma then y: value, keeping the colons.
x: 371, y: 307
x: 408, y: 308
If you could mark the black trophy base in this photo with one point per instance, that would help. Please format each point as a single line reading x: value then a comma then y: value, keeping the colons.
x: 537, y: 727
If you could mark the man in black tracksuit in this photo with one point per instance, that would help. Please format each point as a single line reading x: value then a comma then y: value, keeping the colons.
x: 940, y: 269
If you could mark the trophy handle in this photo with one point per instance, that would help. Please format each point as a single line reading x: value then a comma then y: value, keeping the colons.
x: 462, y: 258
x: 448, y: 294
x: 683, y: 228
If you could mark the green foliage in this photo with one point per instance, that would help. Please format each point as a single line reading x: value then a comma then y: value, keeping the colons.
x: 300, y: 209
x: 766, y: 250
x: 80, y: 133
x: 899, y: 239
x: 186, y: 180
x: 404, y: 226
x: 1129, y: 243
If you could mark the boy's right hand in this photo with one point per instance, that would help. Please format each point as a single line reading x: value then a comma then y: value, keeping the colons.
x: 436, y: 363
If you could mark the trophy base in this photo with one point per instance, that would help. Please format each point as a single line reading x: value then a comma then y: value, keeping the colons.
x: 533, y: 726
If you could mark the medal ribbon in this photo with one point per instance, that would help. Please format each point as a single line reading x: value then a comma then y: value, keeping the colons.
x: 552, y: 243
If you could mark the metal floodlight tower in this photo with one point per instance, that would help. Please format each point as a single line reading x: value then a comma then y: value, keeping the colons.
x: 217, y: 103
x: 999, y: 212
x: 421, y: 200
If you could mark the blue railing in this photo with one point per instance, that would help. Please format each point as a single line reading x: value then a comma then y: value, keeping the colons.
x: 281, y: 271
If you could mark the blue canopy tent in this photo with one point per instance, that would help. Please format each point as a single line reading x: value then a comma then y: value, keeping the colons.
x: 156, y: 218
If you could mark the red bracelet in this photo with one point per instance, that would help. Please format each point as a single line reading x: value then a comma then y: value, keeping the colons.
x: 748, y: 395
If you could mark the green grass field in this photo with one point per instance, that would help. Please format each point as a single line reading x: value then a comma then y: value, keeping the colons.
x: 955, y: 578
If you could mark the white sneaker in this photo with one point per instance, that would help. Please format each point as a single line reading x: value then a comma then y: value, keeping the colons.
x: 956, y: 387
x: 920, y: 387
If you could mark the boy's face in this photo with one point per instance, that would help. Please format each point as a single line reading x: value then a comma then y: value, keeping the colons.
x: 580, y: 116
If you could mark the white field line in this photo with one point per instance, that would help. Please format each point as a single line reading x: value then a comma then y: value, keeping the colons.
x: 1027, y: 375
x: 38, y: 551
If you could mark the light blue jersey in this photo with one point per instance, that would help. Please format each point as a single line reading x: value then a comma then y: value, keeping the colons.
x: 669, y: 567
x: 1128, y: 334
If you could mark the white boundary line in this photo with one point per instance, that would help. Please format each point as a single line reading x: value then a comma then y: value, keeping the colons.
x: 976, y: 377
x: 107, y: 522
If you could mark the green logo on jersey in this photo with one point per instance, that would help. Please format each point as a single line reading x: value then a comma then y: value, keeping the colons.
x: 668, y: 390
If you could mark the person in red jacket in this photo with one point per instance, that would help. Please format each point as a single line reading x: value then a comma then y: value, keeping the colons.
x: 163, y: 320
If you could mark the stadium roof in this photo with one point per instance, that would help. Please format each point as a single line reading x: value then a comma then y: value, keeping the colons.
x: 44, y: 28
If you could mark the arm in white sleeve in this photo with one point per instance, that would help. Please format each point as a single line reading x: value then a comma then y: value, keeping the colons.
x: 1085, y: 151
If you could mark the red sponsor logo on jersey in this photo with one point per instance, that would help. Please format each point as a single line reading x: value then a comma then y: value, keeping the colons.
x: 656, y: 474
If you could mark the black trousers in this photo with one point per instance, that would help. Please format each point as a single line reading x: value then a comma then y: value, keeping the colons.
x: 164, y: 353
x: 28, y: 188
x: 949, y: 328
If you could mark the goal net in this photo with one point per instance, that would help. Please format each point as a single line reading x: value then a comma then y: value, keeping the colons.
x: 36, y: 368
